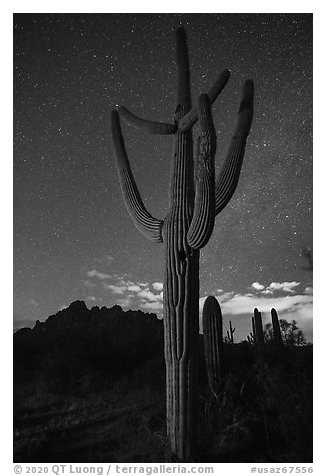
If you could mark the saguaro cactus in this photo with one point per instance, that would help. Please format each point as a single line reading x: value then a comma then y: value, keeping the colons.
x: 230, y: 333
x: 276, y: 329
x: 213, y: 342
x: 259, y: 334
x: 251, y: 339
x: 187, y: 227
x: 253, y: 329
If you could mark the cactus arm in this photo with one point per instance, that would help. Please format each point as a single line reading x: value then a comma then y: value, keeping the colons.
x: 149, y: 226
x: 202, y: 222
x: 228, y: 178
x: 152, y: 127
x: 191, y: 118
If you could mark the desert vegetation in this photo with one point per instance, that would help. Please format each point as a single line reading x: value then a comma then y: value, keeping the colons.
x: 89, y: 386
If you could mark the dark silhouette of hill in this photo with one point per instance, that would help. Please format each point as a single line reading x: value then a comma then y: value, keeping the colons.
x: 89, y: 386
x: 78, y: 339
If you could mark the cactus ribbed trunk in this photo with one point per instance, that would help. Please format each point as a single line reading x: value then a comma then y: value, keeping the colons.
x: 181, y: 316
x: 232, y: 330
x: 181, y: 283
x: 259, y: 333
x: 253, y: 329
x: 213, y: 342
x: 193, y: 204
x: 276, y: 329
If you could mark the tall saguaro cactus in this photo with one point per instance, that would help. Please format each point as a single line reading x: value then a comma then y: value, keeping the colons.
x: 259, y: 334
x: 187, y: 227
x: 213, y: 342
x: 230, y: 333
x: 276, y: 329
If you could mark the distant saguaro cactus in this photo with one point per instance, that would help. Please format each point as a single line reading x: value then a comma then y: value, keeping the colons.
x: 230, y: 333
x: 250, y: 339
x: 276, y: 329
x: 253, y: 329
x: 213, y: 342
x: 259, y: 334
x: 187, y: 227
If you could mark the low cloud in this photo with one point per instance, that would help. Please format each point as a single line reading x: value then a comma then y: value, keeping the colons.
x: 242, y: 303
x: 298, y: 307
x: 158, y: 286
x: 135, y: 293
x: 257, y: 286
x: 308, y: 290
x: 153, y: 306
x: 150, y: 296
x: 125, y: 301
x: 115, y: 289
x: 134, y: 288
x: 93, y: 273
x: 285, y: 287
x: 280, y: 295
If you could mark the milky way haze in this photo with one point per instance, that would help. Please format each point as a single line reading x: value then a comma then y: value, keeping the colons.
x: 73, y: 238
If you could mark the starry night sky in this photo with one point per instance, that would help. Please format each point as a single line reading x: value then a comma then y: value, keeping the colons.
x: 73, y: 238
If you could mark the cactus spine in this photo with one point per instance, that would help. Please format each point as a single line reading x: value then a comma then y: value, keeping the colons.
x: 259, y: 334
x: 276, y: 329
x: 213, y: 342
x: 187, y: 227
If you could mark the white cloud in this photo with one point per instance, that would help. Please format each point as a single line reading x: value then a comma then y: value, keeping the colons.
x: 308, y: 290
x: 136, y: 294
x: 134, y: 288
x: 147, y: 295
x: 158, y: 286
x: 286, y: 287
x: 124, y: 302
x: 116, y: 289
x: 257, y: 286
x: 290, y: 307
x: 154, y: 306
x: 96, y: 274
x: 236, y: 304
x: 242, y: 304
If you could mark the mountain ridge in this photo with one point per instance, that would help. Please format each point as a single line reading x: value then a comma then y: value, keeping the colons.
x: 77, y: 314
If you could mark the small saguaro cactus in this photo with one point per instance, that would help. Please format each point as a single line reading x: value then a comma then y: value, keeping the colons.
x: 193, y: 204
x: 230, y: 334
x: 213, y: 342
x: 259, y: 334
x: 276, y: 329
x: 250, y: 339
